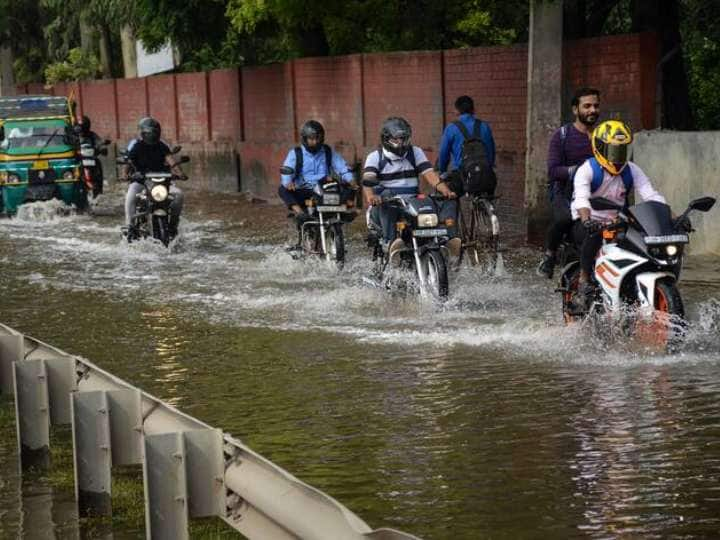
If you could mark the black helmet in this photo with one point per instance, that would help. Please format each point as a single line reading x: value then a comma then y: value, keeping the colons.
x: 85, y: 124
x: 399, y: 129
x: 149, y: 129
x: 312, y: 128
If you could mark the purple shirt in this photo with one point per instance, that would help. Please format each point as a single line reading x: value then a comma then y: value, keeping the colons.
x: 577, y: 150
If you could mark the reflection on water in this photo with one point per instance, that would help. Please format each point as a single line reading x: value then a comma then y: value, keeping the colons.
x: 484, y: 417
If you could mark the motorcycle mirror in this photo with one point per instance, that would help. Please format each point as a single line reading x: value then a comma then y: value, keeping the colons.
x: 175, y: 149
x: 286, y: 170
x: 185, y: 159
x: 103, y: 151
x: 703, y: 204
x: 603, y: 204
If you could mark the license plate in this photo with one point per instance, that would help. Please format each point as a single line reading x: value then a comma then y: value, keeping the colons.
x: 331, y: 198
x: 88, y: 162
x: 667, y: 239
x: 41, y: 165
x: 341, y: 208
x: 424, y: 233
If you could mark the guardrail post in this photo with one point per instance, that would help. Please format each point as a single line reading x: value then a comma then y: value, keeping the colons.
x: 62, y: 383
x: 11, y: 350
x: 166, y: 500
x: 205, y: 471
x: 126, y: 426
x: 32, y: 415
x: 91, y: 450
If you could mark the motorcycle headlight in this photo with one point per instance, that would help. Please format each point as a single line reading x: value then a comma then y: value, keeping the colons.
x: 331, y: 198
x: 427, y: 220
x: 159, y: 193
x: 87, y: 152
x: 671, y: 250
x: 68, y: 175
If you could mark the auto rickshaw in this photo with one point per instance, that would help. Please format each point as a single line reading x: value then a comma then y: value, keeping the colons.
x: 38, y: 155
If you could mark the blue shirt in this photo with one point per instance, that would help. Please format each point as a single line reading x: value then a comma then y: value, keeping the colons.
x: 315, y: 168
x: 452, y: 142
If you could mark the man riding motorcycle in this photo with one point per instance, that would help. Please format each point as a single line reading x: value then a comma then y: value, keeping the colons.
x: 148, y: 153
x: 312, y: 162
x: 608, y: 174
x: 397, y: 166
x: 85, y: 134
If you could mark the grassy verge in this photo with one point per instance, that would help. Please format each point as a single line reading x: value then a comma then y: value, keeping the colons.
x: 128, y: 501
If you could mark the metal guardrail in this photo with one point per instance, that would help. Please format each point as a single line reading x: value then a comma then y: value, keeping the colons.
x: 190, y: 469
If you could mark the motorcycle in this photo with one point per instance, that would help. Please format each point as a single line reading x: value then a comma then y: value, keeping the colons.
x: 425, y: 251
x: 322, y: 234
x: 90, y: 164
x: 152, y: 206
x: 636, y: 272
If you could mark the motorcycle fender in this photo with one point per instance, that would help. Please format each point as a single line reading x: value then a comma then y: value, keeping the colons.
x: 646, y: 287
x: 160, y: 212
x: 564, y: 275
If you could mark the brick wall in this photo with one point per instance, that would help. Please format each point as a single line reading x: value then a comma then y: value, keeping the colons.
x: 259, y: 109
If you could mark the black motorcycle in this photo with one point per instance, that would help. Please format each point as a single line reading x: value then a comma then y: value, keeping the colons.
x: 329, y: 209
x: 91, y: 168
x: 152, y: 206
x: 424, y: 237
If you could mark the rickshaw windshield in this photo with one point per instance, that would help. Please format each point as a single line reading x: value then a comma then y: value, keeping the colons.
x: 36, y: 134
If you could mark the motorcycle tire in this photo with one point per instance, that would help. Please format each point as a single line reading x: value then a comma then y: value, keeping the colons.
x: 666, y: 332
x: 436, y: 274
x: 161, y: 229
x: 336, y: 245
x: 569, y: 285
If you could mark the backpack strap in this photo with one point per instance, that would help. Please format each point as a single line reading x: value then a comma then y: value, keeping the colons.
x: 328, y: 158
x: 410, y: 156
x: 598, y: 175
x: 382, y: 160
x: 563, y: 142
x: 298, y: 163
x: 463, y: 130
x: 627, y: 178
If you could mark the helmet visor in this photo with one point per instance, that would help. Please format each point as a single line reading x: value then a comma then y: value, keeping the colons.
x: 617, y: 154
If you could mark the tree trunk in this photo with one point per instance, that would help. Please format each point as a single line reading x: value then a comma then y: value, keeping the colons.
x: 7, y: 79
x: 87, y: 34
x: 127, y: 36
x: 104, y: 45
x: 650, y: 15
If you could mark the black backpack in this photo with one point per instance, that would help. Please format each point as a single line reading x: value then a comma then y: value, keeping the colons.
x: 299, y: 161
x: 476, y: 174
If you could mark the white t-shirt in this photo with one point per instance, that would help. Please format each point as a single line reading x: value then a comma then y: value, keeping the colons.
x: 612, y: 188
x: 397, y: 172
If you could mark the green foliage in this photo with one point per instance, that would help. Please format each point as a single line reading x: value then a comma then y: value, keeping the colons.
x: 78, y: 66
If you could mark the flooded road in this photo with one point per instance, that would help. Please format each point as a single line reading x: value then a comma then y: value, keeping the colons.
x: 483, y: 418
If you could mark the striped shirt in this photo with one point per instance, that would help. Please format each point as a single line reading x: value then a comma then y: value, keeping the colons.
x: 397, y: 172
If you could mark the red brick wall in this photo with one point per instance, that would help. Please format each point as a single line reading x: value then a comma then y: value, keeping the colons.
x: 225, y: 105
x: 623, y: 69
x: 131, y: 106
x: 162, y: 97
x: 192, y: 107
x: 261, y: 108
x: 267, y: 97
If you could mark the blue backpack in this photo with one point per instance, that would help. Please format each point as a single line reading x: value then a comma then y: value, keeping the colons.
x: 599, y: 173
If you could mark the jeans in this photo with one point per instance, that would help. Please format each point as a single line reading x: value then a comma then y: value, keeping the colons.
x: 589, y: 244
x: 562, y: 223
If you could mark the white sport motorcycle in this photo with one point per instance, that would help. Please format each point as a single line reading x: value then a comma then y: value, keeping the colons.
x: 636, y: 272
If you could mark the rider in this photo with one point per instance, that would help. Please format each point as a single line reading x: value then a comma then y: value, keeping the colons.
x: 148, y: 153
x: 452, y: 142
x: 317, y: 162
x: 569, y: 147
x: 608, y: 174
x: 83, y: 131
x: 399, y: 170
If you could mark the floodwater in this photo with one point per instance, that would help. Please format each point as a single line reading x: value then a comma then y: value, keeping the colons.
x: 481, y: 418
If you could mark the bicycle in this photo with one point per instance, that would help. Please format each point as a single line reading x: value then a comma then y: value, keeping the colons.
x: 479, y: 230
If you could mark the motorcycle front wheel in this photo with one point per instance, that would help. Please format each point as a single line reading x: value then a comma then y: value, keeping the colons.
x: 160, y: 229
x: 436, y: 274
x: 335, y: 243
x: 665, y: 330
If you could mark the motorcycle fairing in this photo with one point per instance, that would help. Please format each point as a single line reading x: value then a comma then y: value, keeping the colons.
x: 646, y: 287
x: 612, y: 265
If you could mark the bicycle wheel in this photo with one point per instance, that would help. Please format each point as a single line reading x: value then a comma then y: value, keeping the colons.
x: 467, y: 217
x: 489, y: 232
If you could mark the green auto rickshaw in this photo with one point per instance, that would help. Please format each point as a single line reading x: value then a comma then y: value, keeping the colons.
x: 38, y: 152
